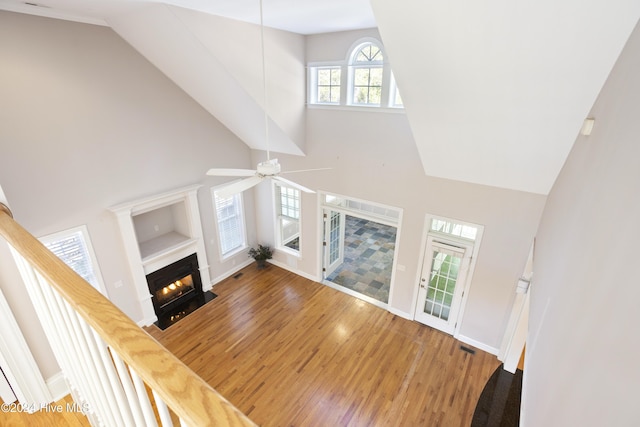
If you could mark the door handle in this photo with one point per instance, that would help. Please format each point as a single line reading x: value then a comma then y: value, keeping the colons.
x: 422, y: 284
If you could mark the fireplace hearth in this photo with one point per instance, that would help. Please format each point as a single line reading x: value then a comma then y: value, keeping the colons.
x: 176, y: 291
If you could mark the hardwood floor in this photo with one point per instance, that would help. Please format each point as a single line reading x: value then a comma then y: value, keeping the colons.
x: 60, y: 413
x: 291, y: 352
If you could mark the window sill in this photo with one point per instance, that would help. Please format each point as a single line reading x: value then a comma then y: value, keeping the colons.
x: 289, y: 251
x: 356, y: 108
x: 230, y: 254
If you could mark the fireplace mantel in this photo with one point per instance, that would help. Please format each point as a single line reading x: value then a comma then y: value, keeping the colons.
x: 157, y: 231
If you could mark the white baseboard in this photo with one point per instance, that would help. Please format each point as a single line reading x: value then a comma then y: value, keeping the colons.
x: 390, y: 309
x: 147, y: 322
x: 478, y: 344
x: 298, y: 272
x: 228, y: 273
x: 57, y: 386
x: 400, y: 313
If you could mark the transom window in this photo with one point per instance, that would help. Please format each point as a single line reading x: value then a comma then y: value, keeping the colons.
x: 287, y: 205
x: 364, y: 79
x: 453, y: 228
x: 230, y: 223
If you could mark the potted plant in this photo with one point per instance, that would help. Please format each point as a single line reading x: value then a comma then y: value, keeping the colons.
x: 261, y: 255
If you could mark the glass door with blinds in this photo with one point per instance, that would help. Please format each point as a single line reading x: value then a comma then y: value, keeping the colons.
x: 442, y: 283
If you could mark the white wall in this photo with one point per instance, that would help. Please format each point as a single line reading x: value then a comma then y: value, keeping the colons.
x: 79, y: 102
x: 88, y: 123
x: 218, y: 62
x: 498, y: 89
x: 584, y: 342
x: 374, y: 157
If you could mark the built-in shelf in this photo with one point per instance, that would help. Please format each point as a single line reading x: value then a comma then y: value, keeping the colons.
x: 163, y: 245
x: 157, y: 231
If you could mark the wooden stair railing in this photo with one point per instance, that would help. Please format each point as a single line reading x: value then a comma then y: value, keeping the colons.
x: 106, y: 358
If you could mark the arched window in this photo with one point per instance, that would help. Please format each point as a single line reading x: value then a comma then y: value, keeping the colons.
x: 362, y: 79
x: 366, y: 72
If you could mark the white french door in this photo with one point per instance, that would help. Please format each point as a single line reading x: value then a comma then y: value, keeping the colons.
x: 334, y: 229
x: 442, y: 283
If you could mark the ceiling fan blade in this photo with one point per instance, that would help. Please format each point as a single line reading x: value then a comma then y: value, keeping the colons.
x: 238, y: 186
x: 293, y: 184
x: 307, y: 170
x: 231, y: 172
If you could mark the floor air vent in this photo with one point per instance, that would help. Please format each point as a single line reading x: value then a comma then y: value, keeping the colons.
x: 467, y: 349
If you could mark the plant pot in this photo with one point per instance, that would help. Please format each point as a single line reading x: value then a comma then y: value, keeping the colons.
x: 261, y: 263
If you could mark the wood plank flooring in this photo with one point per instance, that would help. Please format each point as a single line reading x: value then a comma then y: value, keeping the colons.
x: 46, y: 418
x: 288, y: 351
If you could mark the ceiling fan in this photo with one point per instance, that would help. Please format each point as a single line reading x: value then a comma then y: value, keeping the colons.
x: 269, y: 169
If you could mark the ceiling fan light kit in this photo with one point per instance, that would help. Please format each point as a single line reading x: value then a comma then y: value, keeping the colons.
x: 268, y: 168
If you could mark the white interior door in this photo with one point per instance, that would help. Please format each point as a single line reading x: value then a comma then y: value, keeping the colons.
x: 442, y: 283
x: 334, y: 229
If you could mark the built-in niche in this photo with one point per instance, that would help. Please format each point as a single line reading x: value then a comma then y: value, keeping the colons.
x: 161, y: 229
x: 158, y: 231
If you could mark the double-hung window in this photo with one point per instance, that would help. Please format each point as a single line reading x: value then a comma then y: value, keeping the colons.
x: 230, y: 223
x: 287, y: 204
x: 74, y: 248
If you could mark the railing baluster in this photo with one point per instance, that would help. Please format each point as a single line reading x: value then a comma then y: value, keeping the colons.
x: 114, y: 380
x: 143, y: 397
x: 84, y: 362
x: 41, y: 295
x: 104, y: 356
x: 163, y: 411
x: 67, y: 358
x: 110, y: 399
x: 129, y: 389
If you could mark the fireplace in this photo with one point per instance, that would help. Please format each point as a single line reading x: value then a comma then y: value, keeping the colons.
x: 176, y: 290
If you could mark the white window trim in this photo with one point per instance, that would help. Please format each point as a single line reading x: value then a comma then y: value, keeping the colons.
x: 479, y: 229
x: 474, y: 256
x: 393, y: 91
x: 352, y: 66
x: 394, y: 222
x: 84, y: 232
x: 346, y: 83
x: 312, y: 87
x: 244, y: 245
x: 277, y: 224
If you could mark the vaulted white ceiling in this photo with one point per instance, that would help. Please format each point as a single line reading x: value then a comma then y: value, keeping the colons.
x: 495, y: 91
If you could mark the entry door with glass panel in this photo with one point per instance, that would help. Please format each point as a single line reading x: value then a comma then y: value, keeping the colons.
x: 442, y: 284
x: 333, y: 240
